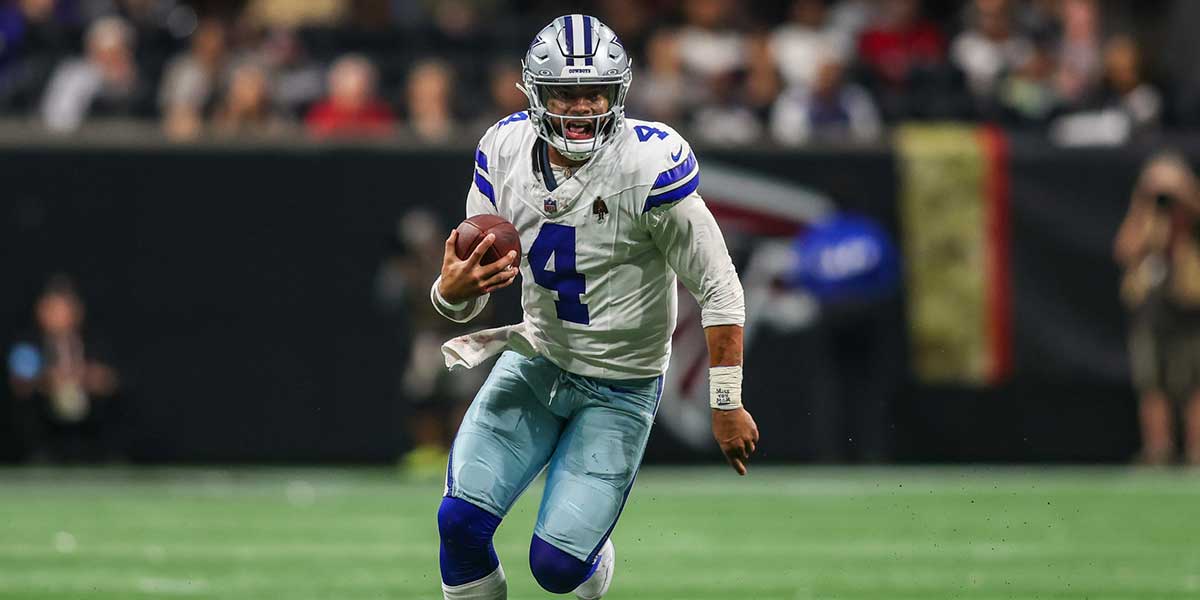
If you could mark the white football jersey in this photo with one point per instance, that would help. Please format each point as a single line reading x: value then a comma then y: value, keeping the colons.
x: 602, y: 250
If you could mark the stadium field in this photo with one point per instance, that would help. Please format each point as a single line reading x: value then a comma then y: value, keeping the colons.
x: 687, y: 534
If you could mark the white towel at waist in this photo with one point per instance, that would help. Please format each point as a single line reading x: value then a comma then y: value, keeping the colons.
x: 471, y: 350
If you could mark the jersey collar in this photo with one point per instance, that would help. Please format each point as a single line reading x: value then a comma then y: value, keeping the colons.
x: 542, y: 159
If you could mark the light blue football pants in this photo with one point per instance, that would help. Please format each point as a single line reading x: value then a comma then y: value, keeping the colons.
x: 591, y: 433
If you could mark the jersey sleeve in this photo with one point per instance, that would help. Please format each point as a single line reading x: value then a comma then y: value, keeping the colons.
x: 481, y: 200
x: 687, y: 234
x: 676, y: 172
x: 481, y: 197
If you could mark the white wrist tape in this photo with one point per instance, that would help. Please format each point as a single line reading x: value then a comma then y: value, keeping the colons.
x: 437, y: 297
x: 725, y: 387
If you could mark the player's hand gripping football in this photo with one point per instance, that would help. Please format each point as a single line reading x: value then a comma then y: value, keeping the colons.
x: 737, y: 435
x: 464, y: 280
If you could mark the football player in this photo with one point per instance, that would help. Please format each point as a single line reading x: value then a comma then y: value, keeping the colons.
x: 609, y: 214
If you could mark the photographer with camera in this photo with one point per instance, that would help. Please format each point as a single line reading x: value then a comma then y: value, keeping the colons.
x: 1158, y: 248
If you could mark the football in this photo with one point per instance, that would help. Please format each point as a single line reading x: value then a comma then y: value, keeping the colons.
x: 473, y: 230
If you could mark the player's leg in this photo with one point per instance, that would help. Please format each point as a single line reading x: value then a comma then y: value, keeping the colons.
x: 506, y: 437
x: 1190, y: 392
x: 1191, y: 422
x: 1149, y: 362
x: 470, y: 568
x: 1154, y: 411
x: 589, y: 479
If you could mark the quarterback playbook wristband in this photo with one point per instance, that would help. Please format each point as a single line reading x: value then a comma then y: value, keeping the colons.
x: 725, y: 387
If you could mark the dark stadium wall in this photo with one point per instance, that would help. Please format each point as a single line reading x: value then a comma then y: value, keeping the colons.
x: 237, y: 287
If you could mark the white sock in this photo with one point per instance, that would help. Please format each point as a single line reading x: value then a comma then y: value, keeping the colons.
x: 597, y: 585
x: 492, y: 587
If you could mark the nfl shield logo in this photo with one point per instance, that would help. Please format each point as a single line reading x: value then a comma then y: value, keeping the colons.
x: 550, y: 205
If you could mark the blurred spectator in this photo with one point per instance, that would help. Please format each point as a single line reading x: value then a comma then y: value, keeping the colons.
x: 726, y: 118
x: 296, y: 81
x: 800, y: 45
x: 631, y: 19
x: 850, y: 17
x: 990, y: 47
x: 1126, y: 106
x: 1038, y: 17
x: 15, y: 17
x: 369, y: 14
x: 762, y: 78
x: 710, y: 44
x: 1028, y: 95
x: 661, y: 91
x: 33, y: 38
x: 828, y: 110
x: 458, y: 20
x: 138, y: 13
x: 20, y: 21
x: 191, y: 81
x: 105, y: 80
x: 1079, y: 60
x: 438, y: 398
x: 902, y: 64
x: 157, y: 25
x: 289, y: 14
x: 63, y: 382
x: 1158, y: 247
x: 353, y: 107
x: 714, y: 54
x: 715, y: 62
x: 247, y: 108
x: 428, y: 95
x: 900, y: 41
x: 1124, y: 86
x: 506, y: 97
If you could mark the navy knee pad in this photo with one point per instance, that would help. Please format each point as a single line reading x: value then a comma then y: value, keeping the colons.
x: 556, y: 571
x: 466, y: 530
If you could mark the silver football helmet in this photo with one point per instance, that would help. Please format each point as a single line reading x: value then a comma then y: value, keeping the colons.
x: 576, y: 50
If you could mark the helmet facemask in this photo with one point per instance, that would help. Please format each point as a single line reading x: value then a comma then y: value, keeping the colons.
x: 556, y: 128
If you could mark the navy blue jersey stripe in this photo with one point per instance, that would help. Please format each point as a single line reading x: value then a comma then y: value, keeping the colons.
x: 674, y: 195
x: 485, y: 188
x: 481, y: 159
x: 676, y: 173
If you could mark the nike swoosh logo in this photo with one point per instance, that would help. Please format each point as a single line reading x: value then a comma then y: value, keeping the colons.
x: 675, y: 156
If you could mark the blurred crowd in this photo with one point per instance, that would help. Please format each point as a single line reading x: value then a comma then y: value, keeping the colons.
x: 791, y: 71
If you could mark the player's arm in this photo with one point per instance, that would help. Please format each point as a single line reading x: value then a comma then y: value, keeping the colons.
x: 688, y: 236
x: 1129, y: 246
x: 463, y: 287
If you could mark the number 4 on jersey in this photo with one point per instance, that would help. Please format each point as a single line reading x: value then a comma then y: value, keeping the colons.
x: 645, y: 132
x: 557, y: 242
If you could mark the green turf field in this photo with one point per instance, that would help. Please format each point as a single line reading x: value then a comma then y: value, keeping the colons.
x: 687, y: 534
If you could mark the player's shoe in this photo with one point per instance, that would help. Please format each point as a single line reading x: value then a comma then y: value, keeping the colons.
x: 597, y: 585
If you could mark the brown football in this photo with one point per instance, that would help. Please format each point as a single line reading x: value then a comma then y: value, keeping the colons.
x: 473, y: 230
